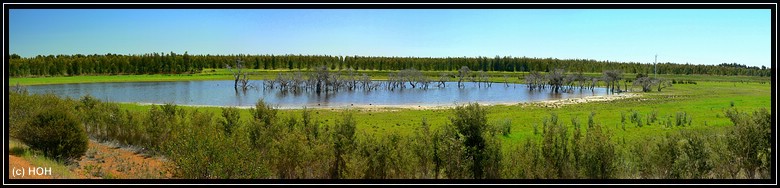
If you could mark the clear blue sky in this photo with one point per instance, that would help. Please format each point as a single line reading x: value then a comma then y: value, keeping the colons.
x: 679, y: 36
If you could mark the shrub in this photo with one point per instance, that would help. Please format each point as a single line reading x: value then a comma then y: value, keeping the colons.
x: 524, y: 161
x: 506, y: 127
x: 536, y: 129
x: 750, y: 139
x: 592, y: 122
x: 682, y: 118
x: 692, y: 160
x: 57, y: 133
x: 453, y: 154
x: 343, y: 143
x: 376, y: 154
x: 623, y: 117
x: 288, y: 152
x: 232, y: 120
x: 575, y: 141
x: 90, y: 116
x: 555, y: 148
x: 639, y: 121
x: 633, y: 116
x: 262, y: 127
x: 206, y: 153
x: 312, y: 128
x: 161, y: 121
x: 424, y: 149
x: 652, y: 117
x: 598, y: 154
x: 470, y: 121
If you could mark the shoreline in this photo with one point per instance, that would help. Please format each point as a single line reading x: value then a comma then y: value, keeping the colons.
x: 557, y: 103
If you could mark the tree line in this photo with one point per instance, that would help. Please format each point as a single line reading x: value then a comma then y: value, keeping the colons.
x: 173, y: 63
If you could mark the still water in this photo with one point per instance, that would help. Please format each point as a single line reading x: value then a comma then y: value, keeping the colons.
x: 221, y: 93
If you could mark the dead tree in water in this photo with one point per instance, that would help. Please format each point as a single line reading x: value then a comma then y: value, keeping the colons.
x: 321, y: 78
x: 556, y: 79
x: 462, y: 73
x: 443, y: 78
x: 534, y: 80
x: 611, y: 78
x: 241, y: 79
x: 484, y: 78
x: 506, y: 80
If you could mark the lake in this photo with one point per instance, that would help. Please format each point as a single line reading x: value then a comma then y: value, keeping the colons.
x: 221, y: 93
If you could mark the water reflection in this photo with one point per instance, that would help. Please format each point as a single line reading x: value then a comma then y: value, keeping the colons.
x: 222, y: 93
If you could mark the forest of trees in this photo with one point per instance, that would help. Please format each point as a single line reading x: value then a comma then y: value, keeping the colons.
x: 173, y: 63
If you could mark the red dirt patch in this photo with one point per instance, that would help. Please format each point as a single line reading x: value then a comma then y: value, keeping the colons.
x: 107, y: 162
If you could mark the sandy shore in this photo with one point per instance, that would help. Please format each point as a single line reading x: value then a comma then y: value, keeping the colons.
x: 548, y: 103
x: 569, y: 101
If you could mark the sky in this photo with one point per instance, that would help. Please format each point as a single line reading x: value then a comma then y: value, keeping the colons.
x: 696, y: 36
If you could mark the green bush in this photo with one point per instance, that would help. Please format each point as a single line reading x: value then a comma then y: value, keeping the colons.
x: 231, y: 120
x: 506, y: 127
x: 750, y: 142
x: 162, y: 123
x: 262, y: 127
x: 653, y: 117
x: 470, y: 121
x: 424, y: 149
x: 208, y: 153
x: 376, y: 153
x: 452, y: 153
x: 524, y: 161
x: 692, y: 160
x: 598, y: 154
x: 288, y: 152
x: 575, y: 141
x: 555, y: 149
x: 57, y: 133
x: 343, y: 143
x: 682, y: 118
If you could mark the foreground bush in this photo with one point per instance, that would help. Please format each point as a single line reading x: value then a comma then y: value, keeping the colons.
x: 749, y: 141
x: 472, y: 144
x: 57, y: 133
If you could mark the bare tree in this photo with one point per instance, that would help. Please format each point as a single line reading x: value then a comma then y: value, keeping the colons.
x: 534, y: 80
x: 506, y: 80
x: 556, y: 79
x: 663, y: 83
x: 462, y: 73
x: 645, y: 82
x: 413, y: 76
x: 321, y: 78
x: 443, y: 78
x: 611, y: 78
x: 425, y: 81
x: 240, y: 77
x: 483, y: 78
x: 648, y: 83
